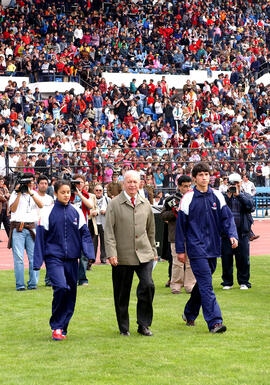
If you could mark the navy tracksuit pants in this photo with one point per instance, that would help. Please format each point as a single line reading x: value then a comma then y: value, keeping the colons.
x: 202, y: 293
x: 63, y: 274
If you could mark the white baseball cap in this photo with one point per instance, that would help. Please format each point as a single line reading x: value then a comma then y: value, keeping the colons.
x: 234, y: 178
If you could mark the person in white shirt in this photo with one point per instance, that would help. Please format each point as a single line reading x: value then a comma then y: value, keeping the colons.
x: 102, y: 203
x: 24, y: 203
x: 78, y: 33
x: 177, y: 115
x: 266, y: 173
x: 224, y: 185
x: 5, y: 111
x: 2, y: 164
x: 248, y: 186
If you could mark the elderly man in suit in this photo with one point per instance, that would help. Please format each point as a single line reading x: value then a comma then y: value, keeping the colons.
x: 130, y: 246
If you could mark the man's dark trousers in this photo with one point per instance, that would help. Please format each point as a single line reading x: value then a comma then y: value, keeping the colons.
x: 122, y: 276
x: 63, y: 274
x: 4, y: 218
x: 102, y: 245
x: 241, y: 260
x: 202, y: 293
x: 82, y: 278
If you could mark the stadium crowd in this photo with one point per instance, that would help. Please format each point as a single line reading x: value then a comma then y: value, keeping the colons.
x: 43, y: 37
x: 158, y: 131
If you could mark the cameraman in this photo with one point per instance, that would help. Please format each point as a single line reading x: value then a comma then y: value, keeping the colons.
x: 241, y: 205
x: 80, y: 198
x: 24, y: 203
x: 181, y: 272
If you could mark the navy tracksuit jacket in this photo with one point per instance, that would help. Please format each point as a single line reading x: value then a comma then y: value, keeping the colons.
x: 201, y: 219
x: 61, y: 236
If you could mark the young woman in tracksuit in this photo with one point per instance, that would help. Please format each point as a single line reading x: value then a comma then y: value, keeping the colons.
x: 202, y: 217
x: 61, y: 236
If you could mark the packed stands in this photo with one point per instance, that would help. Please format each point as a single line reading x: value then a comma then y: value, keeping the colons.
x: 159, y: 130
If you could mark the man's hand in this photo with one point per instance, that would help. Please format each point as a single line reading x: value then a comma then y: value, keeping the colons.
x: 234, y: 242
x: 237, y: 190
x: 31, y: 192
x: 17, y: 188
x: 181, y: 257
x: 94, y: 212
x: 113, y: 261
x: 156, y: 258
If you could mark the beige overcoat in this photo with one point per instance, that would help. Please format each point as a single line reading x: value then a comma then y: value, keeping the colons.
x: 130, y: 231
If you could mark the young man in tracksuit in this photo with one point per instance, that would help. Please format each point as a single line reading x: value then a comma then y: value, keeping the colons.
x: 61, y: 236
x: 202, y: 217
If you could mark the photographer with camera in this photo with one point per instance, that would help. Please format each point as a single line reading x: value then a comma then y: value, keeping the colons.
x: 81, y: 200
x: 182, y: 275
x: 241, y: 205
x: 24, y: 203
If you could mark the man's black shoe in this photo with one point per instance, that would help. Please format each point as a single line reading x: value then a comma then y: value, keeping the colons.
x: 145, y: 331
x: 188, y: 323
x: 125, y: 334
x: 218, y: 328
x: 254, y: 237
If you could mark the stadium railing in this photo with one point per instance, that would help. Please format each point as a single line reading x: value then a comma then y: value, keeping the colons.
x: 262, y: 202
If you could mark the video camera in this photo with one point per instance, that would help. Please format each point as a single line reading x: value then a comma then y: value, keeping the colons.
x: 232, y: 187
x: 173, y: 201
x: 23, y: 182
x: 73, y: 183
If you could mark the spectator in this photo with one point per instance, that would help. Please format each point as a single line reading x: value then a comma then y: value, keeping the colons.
x: 99, y: 213
x: 241, y: 205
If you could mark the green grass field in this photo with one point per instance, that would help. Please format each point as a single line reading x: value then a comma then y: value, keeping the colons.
x: 95, y: 353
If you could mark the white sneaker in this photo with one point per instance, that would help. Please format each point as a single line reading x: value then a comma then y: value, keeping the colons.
x: 244, y: 287
x: 227, y: 287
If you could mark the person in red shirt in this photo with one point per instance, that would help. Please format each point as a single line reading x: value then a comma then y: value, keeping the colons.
x: 193, y: 143
x: 60, y: 66
x: 81, y: 103
x: 134, y: 132
x: 13, y: 114
x: 150, y: 100
x: 151, y: 87
x: 226, y: 80
x: 128, y: 118
x: 26, y: 38
x: 90, y: 144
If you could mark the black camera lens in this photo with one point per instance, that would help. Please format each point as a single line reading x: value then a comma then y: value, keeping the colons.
x: 232, y: 189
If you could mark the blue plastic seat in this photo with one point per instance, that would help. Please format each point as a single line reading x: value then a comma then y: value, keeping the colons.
x: 147, y: 111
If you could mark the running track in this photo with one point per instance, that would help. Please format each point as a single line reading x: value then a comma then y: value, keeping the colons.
x: 259, y: 247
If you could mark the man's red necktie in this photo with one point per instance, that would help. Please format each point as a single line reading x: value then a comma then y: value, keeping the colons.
x: 133, y: 201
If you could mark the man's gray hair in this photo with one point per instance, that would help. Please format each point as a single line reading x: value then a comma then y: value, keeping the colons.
x: 133, y: 174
